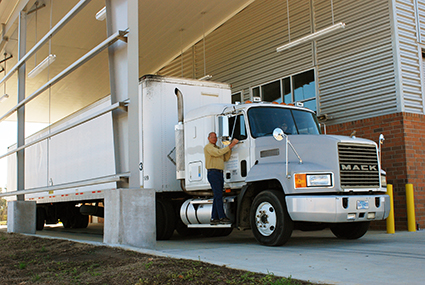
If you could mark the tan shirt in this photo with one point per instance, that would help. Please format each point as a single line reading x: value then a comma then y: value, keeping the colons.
x: 215, y: 157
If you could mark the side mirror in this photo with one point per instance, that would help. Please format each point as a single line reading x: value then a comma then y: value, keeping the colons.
x: 223, y: 126
x: 278, y: 134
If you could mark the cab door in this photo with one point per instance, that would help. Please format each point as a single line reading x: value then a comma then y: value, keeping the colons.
x: 236, y: 168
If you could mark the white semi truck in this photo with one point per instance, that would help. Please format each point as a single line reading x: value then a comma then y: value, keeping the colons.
x: 284, y: 174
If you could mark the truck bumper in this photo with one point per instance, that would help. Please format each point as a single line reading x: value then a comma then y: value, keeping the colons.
x: 338, y: 209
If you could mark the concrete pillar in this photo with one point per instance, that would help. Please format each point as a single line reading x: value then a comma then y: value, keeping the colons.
x: 21, y: 217
x: 130, y: 217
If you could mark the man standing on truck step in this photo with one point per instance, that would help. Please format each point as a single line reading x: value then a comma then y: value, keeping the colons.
x: 214, y: 163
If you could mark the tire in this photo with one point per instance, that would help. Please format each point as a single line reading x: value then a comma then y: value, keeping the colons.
x: 353, y: 230
x: 270, y: 221
x: 66, y: 223
x: 165, y: 220
x: 82, y: 221
x: 40, y: 218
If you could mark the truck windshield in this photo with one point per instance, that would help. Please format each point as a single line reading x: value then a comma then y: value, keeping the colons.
x: 263, y: 120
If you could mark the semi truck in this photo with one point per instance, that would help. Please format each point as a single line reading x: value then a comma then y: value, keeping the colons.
x: 284, y: 173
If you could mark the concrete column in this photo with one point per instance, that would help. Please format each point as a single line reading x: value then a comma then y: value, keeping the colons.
x: 21, y: 217
x: 130, y: 217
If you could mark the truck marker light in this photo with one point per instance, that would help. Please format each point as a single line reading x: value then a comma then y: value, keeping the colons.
x: 300, y: 180
x: 351, y: 216
x: 228, y: 190
x: 371, y: 215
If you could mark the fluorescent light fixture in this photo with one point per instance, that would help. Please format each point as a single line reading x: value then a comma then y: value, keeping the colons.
x: 42, y: 65
x: 4, y: 97
x: 101, y: 15
x: 206, y: 77
x: 312, y: 36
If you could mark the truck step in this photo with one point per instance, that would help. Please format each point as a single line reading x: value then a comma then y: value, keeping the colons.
x: 209, y: 226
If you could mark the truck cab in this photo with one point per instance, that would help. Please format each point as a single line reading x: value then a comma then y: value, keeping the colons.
x: 285, y: 174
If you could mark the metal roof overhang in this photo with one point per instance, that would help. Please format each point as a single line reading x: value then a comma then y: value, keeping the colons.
x: 166, y: 28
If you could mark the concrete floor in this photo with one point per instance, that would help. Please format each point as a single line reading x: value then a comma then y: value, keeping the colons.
x: 377, y: 258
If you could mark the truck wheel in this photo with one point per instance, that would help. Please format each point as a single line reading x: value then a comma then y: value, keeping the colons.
x: 350, y: 230
x: 270, y: 221
x: 40, y: 218
x: 165, y: 220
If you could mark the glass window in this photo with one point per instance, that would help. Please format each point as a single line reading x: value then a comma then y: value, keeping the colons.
x: 237, y: 97
x: 256, y: 92
x: 311, y: 105
x: 286, y: 89
x: 263, y: 120
x: 304, y: 86
x: 297, y: 88
x: 305, y: 122
x: 237, y: 127
x: 271, y: 92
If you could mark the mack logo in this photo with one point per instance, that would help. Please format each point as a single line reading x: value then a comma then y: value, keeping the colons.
x: 358, y: 167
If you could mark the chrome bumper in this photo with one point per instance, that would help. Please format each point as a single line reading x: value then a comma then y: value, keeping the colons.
x: 338, y: 209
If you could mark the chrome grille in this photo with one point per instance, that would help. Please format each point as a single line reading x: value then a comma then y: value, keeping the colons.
x: 358, y: 166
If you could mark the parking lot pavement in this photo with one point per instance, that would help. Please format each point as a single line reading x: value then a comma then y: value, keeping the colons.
x: 376, y: 258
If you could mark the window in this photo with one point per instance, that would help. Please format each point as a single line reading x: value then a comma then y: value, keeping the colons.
x: 263, y: 120
x: 237, y: 97
x: 237, y: 127
x: 296, y: 88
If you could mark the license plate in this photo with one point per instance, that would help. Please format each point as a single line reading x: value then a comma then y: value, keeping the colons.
x: 362, y: 204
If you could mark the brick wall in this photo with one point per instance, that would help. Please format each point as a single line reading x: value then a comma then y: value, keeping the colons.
x: 403, y: 157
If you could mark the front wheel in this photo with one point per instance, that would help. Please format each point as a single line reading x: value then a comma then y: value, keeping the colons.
x: 270, y: 221
x: 350, y: 230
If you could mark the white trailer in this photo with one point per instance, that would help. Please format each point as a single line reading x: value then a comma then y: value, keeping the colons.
x: 283, y: 174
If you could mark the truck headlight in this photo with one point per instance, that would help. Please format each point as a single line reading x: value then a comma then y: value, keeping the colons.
x: 313, y: 180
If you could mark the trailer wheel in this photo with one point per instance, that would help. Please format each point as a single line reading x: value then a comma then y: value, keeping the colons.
x: 82, y: 222
x: 350, y: 230
x: 65, y: 222
x: 165, y: 220
x: 40, y: 218
x: 270, y: 221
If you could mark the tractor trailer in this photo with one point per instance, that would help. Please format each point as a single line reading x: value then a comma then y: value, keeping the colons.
x: 284, y: 173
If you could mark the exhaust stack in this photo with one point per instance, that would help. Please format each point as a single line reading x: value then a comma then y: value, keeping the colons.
x: 179, y: 135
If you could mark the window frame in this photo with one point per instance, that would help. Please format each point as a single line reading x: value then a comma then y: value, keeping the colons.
x: 291, y: 82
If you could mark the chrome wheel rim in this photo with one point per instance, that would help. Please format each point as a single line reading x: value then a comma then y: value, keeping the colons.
x: 265, y: 219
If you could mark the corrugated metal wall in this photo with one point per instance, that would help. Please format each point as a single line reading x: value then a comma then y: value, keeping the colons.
x: 355, y: 67
x: 409, y: 20
x: 242, y: 51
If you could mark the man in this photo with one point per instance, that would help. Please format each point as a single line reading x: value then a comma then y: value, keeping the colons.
x: 214, y: 162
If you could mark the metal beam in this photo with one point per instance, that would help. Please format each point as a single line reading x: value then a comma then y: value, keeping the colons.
x: 124, y: 82
x: 76, y: 184
x: 99, y: 48
x: 80, y: 5
x: 20, y: 155
x: 79, y: 122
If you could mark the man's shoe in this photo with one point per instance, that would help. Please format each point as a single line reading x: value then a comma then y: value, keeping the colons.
x: 225, y: 220
x: 214, y: 221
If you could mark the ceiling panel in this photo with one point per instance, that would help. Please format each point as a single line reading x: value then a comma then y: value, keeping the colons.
x: 166, y: 27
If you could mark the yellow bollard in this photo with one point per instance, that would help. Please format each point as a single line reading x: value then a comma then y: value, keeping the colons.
x: 390, y: 219
x: 410, y: 204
